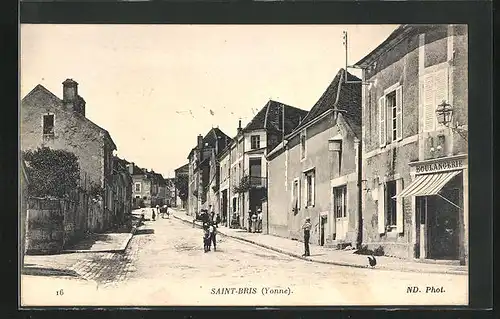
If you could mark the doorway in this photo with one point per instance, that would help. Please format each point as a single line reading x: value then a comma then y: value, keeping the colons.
x: 340, y: 211
x: 322, y: 222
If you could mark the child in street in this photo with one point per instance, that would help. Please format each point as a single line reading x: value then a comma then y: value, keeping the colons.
x: 206, y: 238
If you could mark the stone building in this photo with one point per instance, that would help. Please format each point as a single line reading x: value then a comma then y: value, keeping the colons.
x: 145, y: 187
x: 203, y: 170
x: 415, y: 202
x: 180, y: 173
x: 244, y: 162
x: 316, y: 171
x: 47, y: 120
x: 122, y: 190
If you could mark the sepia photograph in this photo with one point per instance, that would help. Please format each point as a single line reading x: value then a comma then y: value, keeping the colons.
x: 243, y: 165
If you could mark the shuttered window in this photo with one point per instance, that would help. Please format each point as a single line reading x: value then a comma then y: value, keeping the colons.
x: 434, y: 92
x: 390, y: 113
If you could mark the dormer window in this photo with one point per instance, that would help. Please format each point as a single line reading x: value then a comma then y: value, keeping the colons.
x: 255, y: 142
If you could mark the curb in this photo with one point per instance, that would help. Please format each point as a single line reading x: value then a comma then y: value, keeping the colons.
x: 122, y: 248
x: 335, y: 263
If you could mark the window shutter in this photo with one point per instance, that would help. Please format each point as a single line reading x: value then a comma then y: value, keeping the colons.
x: 305, y: 191
x: 334, y: 215
x: 382, y: 114
x: 299, y: 192
x: 440, y: 87
x: 313, y: 182
x: 381, y: 209
x: 429, y: 106
x: 399, y: 207
x: 399, y: 113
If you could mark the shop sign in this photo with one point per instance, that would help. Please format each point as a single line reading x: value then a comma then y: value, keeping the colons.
x: 440, y: 166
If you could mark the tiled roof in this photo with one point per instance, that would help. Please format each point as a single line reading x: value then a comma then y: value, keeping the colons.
x: 184, y: 167
x: 271, y: 116
x: 346, y: 96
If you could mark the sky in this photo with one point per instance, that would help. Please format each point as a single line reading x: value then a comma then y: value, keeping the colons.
x: 155, y: 88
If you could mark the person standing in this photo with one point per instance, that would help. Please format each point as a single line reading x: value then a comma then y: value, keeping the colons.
x: 307, y: 234
x: 250, y: 221
x: 153, y: 214
x: 254, y: 222
x: 259, y: 220
x: 213, y: 235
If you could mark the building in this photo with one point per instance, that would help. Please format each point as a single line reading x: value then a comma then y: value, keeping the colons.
x: 245, y: 169
x: 415, y: 202
x: 47, y: 120
x: 316, y: 171
x: 202, y: 175
x: 181, y: 186
x: 122, y: 190
x: 169, y: 192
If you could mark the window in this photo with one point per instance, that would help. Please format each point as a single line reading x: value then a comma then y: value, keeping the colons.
x: 295, y: 196
x: 433, y: 90
x: 303, y: 145
x: 234, y: 205
x: 255, y: 142
x: 339, y: 202
x: 137, y: 187
x: 390, y: 207
x: 309, y: 188
x: 391, y: 203
x: 390, y: 109
x: 48, y: 125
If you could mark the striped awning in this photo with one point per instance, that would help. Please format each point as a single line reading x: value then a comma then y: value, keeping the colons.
x: 429, y: 184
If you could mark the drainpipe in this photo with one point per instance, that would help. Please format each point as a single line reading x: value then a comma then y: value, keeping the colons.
x: 267, y: 195
x: 359, y: 239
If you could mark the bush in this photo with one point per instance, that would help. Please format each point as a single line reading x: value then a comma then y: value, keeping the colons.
x: 379, y: 251
x: 52, y: 173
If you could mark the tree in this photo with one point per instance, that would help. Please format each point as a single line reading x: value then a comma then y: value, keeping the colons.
x: 53, y: 173
x: 181, y: 184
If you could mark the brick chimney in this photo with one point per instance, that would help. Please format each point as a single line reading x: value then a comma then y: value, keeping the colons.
x: 239, y: 127
x: 70, y: 93
x: 200, y: 142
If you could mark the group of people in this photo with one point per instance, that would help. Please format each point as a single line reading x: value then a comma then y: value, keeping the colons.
x: 255, y: 221
x: 210, y: 223
x: 161, y: 211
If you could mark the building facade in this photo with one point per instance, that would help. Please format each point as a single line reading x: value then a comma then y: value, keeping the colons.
x: 316, y: 171
x: 181, y: 177
x: 415, y: 198
x: 122, y: 190
x: 246, y: 173
x: 47, y: 120
x: 203, y: 171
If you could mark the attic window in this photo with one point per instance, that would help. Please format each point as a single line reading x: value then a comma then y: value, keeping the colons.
x: 255, y: 141
x: 48, y: 125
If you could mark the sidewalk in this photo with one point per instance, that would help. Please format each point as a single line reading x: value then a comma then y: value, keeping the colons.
x: 101, y: 243
x: 329, y: 255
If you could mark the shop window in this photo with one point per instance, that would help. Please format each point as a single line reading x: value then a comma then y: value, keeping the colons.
x: 339, y: 202
x: 390, y: 109
x: 255, y: 142
x: 309, y: 188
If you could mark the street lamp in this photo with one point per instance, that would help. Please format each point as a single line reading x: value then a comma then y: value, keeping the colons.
x: 444, y: 113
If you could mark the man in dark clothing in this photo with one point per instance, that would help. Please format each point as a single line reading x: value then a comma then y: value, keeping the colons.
x: 213, y: 236
x: 250, y: 221
x: 307, y: 234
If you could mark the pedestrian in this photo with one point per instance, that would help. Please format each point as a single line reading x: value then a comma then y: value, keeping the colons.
x: 249, y: 221
x: 259, y: 219
x: 206, y: 238
x: 165, y: 207
x: 307, y: 234
x: 153, y: 215
x: 213, y: 235
x: 254, y: 222
x: 217, y: 220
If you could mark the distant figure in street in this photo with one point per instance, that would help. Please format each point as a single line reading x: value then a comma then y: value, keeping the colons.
x: 153, y: 214
x: 217, y: 220
x: 259, y: 219
x: 165, y: 207
x: 250, y: 221
x: 254, y: 222
x: 213, y: 236
x: 307, y: 234
x: 206, y: 237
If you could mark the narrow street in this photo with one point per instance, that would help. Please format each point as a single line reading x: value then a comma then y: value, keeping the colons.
x: 164, y: 264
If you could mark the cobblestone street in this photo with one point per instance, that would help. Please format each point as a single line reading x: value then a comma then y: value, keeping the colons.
x: 164, y: 264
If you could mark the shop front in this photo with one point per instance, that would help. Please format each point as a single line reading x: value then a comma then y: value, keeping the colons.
x: 439, y: 191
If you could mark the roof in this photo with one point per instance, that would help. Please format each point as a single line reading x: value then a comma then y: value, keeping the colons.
x: 184, y: 167
x: 401, y: 32
x: 345, y: 96
x: 214, y: 136
x: 271, y: 116
x: 44, y: 90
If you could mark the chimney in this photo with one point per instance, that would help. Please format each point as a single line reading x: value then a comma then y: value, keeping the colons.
x: 239, y: 127
x: 70, y: 93
x: 200, y: 142
x: 81, y: 105
x: 130, y: 168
